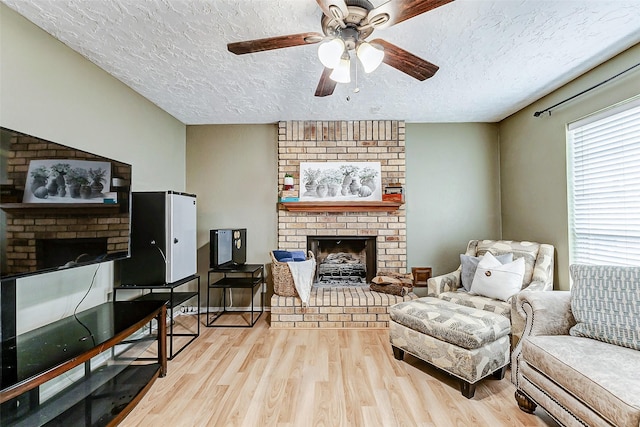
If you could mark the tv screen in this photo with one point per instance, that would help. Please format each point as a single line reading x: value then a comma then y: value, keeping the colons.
x: 222, y: 248
x: 227, y: 247
x: 59, y: 207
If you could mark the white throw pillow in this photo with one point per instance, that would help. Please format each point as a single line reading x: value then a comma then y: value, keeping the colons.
x: 470, y: 263
x: 496, y: 280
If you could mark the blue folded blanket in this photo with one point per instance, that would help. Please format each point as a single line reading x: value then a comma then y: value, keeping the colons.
x: 289, y: 256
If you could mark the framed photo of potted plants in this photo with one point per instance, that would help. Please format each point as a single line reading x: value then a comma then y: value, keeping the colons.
x: 340, y: 181
x: 67, y: 181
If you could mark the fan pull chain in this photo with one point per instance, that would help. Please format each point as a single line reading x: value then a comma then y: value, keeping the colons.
x: 356, y: 89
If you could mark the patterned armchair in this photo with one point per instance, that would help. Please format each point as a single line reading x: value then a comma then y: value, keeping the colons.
x: 538, y: 276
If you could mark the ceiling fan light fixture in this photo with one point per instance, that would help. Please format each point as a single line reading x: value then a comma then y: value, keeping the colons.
x: 370, y: 56
x: 330, y: 52
x: 342, y: 73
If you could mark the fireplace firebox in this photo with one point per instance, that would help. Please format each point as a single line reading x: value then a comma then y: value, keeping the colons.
x: 343, y: 260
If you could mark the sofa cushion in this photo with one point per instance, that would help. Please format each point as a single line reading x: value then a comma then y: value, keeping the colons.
x: 604, y: 302
x: 527, y: 250
x: 463, y: 326
x: 477, y: 301
x: 603, y: 376
x: 565, y: 408
x: 469, y: 264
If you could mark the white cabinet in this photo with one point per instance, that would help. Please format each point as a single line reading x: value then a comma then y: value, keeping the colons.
x: 163, y: 238
x: 181, y: 235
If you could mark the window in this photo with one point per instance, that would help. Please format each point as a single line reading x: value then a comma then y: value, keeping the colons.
x: 604, y: 186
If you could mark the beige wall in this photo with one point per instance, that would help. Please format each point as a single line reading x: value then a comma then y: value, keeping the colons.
x: 50, y: 91
x: 233, y: 169
x: 453, y: 191
x: 533, y: 157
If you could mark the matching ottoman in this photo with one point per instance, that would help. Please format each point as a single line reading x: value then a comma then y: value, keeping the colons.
x: 466, y: 342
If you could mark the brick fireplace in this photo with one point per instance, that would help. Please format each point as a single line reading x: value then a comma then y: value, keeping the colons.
x: 338, y: 141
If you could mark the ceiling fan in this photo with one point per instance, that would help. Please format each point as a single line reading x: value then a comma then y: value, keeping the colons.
x: 346, y: 24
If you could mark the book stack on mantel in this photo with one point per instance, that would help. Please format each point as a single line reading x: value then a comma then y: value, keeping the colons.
x: 393, y: 193
x: 289, y: 196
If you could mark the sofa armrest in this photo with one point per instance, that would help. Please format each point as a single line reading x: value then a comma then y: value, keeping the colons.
x: 517, y: 321
x: 444, y: 283
x: 544, y: 313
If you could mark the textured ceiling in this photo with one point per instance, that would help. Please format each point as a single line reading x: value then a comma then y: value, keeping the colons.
x: 495, y: 56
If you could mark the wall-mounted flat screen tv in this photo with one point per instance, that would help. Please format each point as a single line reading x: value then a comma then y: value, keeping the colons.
x: 59, y: 207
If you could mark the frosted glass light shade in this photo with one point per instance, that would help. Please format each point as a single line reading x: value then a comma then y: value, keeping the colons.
x: 330, y: 53
x: 370, y: 57
x: 342, y: 73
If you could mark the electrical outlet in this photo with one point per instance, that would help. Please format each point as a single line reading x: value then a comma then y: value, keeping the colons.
x: 189, y: 309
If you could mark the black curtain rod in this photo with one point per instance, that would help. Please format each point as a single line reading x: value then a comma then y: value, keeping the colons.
x: 539, y: 113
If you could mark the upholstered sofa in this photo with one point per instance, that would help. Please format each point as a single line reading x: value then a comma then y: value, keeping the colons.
x: 579, y: 356
x: 538, y: 275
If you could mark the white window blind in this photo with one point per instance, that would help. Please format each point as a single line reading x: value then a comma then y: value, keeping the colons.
x: 604, y: 187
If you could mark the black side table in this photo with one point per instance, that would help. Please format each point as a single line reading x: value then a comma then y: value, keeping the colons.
x: 166, y: 292
x: 245, y: 276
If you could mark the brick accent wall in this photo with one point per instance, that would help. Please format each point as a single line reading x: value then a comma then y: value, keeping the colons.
x: 338, y: 141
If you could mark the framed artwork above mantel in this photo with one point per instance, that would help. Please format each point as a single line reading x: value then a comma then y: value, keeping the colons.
x: 351, y: 182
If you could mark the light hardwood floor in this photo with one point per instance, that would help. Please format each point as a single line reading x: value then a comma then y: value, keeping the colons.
x: 263, y: 377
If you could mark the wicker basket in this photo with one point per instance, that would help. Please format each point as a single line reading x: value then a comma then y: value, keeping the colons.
x: 282, y: 279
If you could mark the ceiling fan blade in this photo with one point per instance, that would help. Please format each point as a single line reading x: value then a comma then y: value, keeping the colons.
x: 406, y: 62
x: 334, y: 8
x: 260, y: 45
x: 325, y: 85
x: 401, y: 10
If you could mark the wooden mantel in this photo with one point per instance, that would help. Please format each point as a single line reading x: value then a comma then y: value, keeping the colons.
x: 60, y: 208
x: 353, y: 206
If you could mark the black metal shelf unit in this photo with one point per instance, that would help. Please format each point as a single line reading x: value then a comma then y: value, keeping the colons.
x: 245, y: 276
x: 166, y: 292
